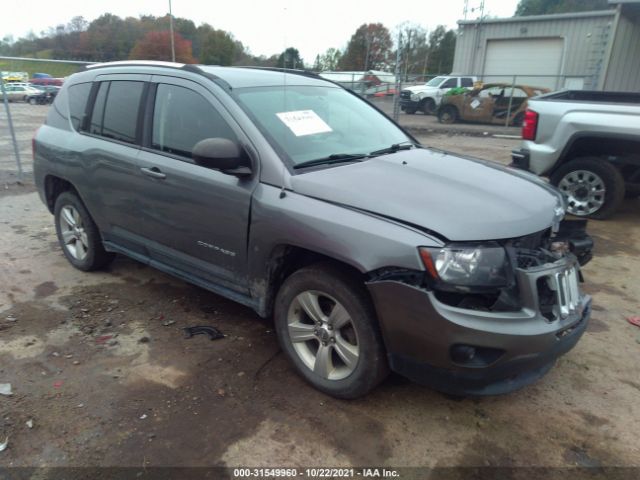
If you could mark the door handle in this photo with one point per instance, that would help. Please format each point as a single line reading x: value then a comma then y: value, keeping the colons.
x: 153, y: 172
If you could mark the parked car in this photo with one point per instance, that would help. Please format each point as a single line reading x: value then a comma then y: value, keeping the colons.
x: 47, y: 94
x: 20, y: 92
x: 427, y: 97
x: 489, y: 104
x: 47, y: 81
x: 295, y: 197
x: 588, y: 144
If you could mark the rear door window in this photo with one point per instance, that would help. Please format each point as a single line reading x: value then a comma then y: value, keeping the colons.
x: 182, y: 118
x: 466, y: 82
x: 115, y: 112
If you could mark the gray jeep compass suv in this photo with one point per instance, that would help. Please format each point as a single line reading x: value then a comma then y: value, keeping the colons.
x: 289, y: 194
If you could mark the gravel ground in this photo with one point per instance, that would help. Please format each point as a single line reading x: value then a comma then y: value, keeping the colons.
x: 99, y: 365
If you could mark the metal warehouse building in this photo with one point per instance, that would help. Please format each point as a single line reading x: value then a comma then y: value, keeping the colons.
x: 586, y: 50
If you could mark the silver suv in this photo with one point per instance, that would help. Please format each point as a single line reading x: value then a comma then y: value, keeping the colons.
x: 289, y: 194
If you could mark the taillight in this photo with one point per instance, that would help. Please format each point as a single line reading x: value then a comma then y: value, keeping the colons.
x: 529, y: 125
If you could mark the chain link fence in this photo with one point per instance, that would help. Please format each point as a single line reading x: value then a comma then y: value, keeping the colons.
x: 494, y: 103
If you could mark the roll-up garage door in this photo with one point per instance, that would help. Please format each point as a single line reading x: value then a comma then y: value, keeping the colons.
x: 524, y: 58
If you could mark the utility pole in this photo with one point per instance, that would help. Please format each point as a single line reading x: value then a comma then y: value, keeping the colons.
x: 16, y: 149
x: 173, y: 47
x: 398, y: 72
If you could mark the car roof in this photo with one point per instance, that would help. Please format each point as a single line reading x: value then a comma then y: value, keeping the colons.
x: 235, y: 77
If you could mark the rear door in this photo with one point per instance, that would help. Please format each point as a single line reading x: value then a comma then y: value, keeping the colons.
x: 193, y: 218
x: 110, y: 147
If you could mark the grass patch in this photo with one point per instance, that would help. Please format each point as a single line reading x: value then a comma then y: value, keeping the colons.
x: 52, y: 68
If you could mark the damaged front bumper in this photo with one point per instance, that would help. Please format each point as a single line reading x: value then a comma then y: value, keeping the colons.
x: 475, y: 352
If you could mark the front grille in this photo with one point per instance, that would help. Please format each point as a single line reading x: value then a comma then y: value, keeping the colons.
x: 405, y: 94
x: 557, y: 291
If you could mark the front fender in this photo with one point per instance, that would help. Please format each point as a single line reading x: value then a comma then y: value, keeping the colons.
x: 364, y: 241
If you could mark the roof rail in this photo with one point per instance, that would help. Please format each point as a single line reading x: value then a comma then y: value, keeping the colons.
x: 294, y: 71
x: 134, y: 63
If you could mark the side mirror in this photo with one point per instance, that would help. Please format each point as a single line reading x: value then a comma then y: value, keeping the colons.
x: 221, y: 154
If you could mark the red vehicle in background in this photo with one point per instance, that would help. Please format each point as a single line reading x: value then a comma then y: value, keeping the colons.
x: 46, y: 80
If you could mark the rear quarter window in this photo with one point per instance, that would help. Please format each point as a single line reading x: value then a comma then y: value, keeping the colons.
x: 78, y: 96
x: 58, y: 116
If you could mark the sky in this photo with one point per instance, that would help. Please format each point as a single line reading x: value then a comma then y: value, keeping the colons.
x: 266, y: 27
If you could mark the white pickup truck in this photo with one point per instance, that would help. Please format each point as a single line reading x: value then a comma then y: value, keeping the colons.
x: 427, y: 97
x: 588, y: 144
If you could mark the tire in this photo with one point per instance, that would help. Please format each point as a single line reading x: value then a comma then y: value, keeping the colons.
x: 577, y: 177
x: 428, y: 106
x: 448, y: 114
x: 82, y: 245
x: 322, y: 289
x: 32, y: 101
x: 410, y: 110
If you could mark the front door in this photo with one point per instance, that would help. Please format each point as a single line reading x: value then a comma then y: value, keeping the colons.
x: 194, y: 218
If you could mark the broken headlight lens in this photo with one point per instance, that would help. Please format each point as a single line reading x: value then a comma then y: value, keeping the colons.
x: 466, y: 265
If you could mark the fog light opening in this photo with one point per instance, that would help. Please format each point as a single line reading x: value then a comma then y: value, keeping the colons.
x: 462, y: 353
x: 474, y: 355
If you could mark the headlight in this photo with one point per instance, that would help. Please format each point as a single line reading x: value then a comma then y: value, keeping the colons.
x: 415, y: 97
x: 466, y: 265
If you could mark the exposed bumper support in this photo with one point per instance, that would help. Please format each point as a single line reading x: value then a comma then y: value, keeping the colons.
x: 520, y: 159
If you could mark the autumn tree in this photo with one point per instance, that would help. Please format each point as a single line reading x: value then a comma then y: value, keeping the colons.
x: 216, y: 47
x: 368, y: 49
x: 290, y: 58
x: 328, y: 61
x: 157, y: 46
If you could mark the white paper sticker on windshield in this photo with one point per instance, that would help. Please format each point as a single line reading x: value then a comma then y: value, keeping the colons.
x: 304, y: 122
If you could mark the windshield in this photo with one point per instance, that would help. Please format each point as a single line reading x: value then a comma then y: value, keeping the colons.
x: 434, y: 82
x: 306, y: 123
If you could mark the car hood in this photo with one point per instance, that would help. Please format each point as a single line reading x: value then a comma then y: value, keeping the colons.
x: 461, y: 199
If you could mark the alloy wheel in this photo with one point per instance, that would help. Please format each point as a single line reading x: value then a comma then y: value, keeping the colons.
x: 585, y: 192
x: 323, y: 335
x: 73, y: 233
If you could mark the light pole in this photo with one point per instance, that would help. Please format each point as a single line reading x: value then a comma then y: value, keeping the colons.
x: 173, y: 48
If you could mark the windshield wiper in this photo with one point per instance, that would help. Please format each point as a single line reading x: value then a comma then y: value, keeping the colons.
x: 394, y: 148
x: 333, y: 158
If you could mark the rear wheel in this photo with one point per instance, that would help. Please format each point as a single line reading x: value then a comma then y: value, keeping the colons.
x: 327, y: 327
x: 78, y: 235
x: 448, y: 114
x: 593, y: 187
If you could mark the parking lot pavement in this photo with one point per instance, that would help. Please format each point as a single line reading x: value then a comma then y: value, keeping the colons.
x: 99, y: 364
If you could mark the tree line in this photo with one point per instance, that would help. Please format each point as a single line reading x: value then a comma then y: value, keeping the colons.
x: 109, y: 37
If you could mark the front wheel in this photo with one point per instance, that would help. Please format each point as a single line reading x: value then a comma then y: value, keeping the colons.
x: 326, y: 326
x: 428, y: 106
x: 32, y: 101
x: 593, y: 187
